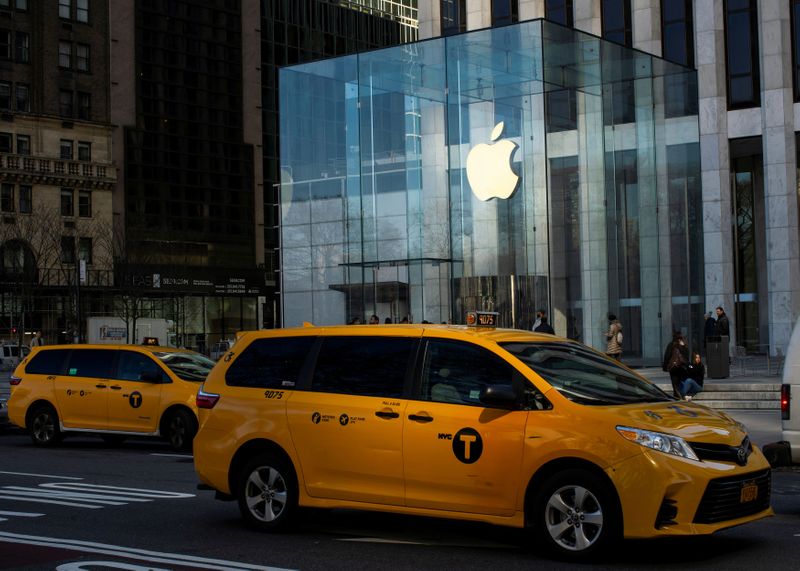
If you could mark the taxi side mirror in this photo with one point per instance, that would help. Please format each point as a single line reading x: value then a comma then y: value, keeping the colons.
x: 501, y: 396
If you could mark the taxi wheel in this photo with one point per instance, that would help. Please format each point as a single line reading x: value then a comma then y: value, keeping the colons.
x: 576, y: 515
x: 43, y: 426
x: 181, y: 428
x: 267, y: 493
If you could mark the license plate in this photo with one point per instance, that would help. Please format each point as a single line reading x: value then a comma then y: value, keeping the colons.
x: 749, y: 493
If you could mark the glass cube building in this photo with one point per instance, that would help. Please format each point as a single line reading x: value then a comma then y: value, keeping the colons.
x: 510, y: 169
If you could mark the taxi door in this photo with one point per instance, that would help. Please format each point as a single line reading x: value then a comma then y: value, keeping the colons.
x: 459, y: 454
x: 348, y: 427
x: 134, y: 398
x: 82, y: 390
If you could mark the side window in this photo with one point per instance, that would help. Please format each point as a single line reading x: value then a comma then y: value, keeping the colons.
x: 270, y: 363
x: 132, y: 365
x: 367, y: 366
x: 456, y: 372
x: 50, y: 362
x: 95, y: 363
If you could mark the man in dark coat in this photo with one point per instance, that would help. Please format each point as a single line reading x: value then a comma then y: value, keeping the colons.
x: 723, y: 325
x: 710, y: 329
x: 545, y: 327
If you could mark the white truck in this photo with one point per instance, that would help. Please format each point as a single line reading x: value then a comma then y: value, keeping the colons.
x: 113, y: 331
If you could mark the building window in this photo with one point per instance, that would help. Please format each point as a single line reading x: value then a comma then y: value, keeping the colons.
x: 65, y: 9
x: 616, y: 17
x: 67, y: 206
x: 85, y: 204
x: 25, y: 200
x: 5, y: 44
x: 85, y: 250
x: 66, y: 149
x: 82, y: 12
x: 84, y: 151
x: 5, y: 96
x: 741, y: 39
x: 454, y: 17
x: 7, y: 197
x: 64, y: 54
x: 82, y: 57
x: 21, y: 5
x: 559, y: 11
x: 677, y: 41
x: 67, y: 249
x: 505, y: 12
x: 796, y: 48
x: 23, y: 47
x: 23, y: 145
x: 562, y: 110
x: 65, y: 103
x: 84, y: 106
x: 6, y: 142
x: 23, y: 98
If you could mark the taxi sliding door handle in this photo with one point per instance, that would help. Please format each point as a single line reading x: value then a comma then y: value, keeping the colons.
x: 420, y: 418
x: 116, y: 387
x: 101, y: 386
x: 387, y: 414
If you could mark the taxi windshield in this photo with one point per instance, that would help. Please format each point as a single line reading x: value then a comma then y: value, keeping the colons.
x: 187, y: 366
x: 583, y: 376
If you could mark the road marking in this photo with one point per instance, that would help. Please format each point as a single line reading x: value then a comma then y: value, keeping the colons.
x: 85, y: 495
x: 132, y: 553
x: 21, y: 514
x: 42, y: 476
x: 48, y: 501
x: 172, y: 455
x: 119, y: 491
x: 87, y: 565
x: 382, y: 540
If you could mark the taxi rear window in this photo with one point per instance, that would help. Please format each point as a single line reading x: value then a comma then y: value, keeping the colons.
x: 47, y: 362
x: 270, y: 363
x: 584, y: 376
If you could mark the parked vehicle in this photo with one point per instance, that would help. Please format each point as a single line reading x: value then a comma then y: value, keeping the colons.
x: 112, y: 390
x: 219, y: 348
x: 10, y: 354
x: 503, y: 426
x: 790, y: 398
x: 112, y: 330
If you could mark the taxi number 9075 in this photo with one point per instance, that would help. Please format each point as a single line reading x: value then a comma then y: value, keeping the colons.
x: 273, y: 394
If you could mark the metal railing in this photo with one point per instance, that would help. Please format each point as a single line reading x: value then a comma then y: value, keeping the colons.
x: 43, y: 166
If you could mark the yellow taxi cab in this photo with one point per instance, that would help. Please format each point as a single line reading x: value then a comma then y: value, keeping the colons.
x: 114, y: 390
x: 503, y: 426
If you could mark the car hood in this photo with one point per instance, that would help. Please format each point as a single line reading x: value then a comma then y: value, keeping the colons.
x: 692, y: 422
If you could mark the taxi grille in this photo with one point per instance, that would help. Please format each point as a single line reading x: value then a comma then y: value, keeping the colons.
x: 723, y: 452
x: 722, y: 500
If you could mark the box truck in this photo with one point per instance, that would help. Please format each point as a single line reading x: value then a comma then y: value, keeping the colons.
x: 113, y: 331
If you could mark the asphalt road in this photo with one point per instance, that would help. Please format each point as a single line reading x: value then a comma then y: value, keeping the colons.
x: 85, y: 505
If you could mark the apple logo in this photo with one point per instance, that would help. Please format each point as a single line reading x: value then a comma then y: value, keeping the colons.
x: 489, y: 168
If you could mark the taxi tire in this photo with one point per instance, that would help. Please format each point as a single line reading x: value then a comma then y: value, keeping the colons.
x: 600, y: 498
x: 181, y: 429
x: 283, y: 486
x: 43, y: 426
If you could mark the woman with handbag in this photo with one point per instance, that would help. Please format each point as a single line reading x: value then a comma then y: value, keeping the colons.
x: 676, y: 361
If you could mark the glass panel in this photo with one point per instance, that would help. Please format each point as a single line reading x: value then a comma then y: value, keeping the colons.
x: 95, y: 363
x: 270, y: 363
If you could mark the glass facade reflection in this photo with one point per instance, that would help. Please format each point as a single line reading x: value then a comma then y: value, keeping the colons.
x: 378, y: 214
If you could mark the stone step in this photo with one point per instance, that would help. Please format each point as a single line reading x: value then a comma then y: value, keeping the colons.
x: 742, y: 405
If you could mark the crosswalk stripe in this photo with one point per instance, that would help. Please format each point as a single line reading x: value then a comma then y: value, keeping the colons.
x: 21, y: 514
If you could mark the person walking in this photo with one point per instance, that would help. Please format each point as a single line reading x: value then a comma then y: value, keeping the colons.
x: 614, y: 338
x: 544, y: 327
x: 676, y: 361
x: 695, y: 373
x: 37, y: 340
x: 374, y: 320
x: 538, y: 322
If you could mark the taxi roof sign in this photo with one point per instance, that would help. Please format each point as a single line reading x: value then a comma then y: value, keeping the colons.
x: 482, y: 318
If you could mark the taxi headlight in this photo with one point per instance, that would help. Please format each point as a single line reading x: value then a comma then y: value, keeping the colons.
x: 666, y: 443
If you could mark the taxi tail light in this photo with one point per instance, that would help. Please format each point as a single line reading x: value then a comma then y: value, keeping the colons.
x: 786, y: 397
x: 206, y: 400
x: 14, y: 381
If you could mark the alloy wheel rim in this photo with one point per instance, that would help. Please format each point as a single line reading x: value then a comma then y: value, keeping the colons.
x: 574, y: 518
x: 177, y: 431
x: 266, y: 494
x: 43, y: 427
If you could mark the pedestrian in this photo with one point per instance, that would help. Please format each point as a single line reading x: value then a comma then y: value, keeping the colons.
x: 544, y: 327
x: 723, y: 325
x: 387, y: 321
x: 374, y: 320
x: 355, y: 321
x: 710, y: 329
x: 695, y: 373
x: 405, y: 320
x: 676, y: 361
x: 614, y: 337
x: 538, y: 322
x: 37, y: 340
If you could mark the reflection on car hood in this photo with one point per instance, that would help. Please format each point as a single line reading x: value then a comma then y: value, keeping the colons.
x: 690, y: 421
